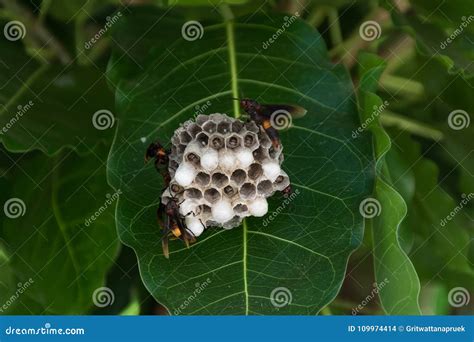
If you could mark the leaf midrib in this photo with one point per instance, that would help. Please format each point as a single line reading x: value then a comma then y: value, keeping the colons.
x: 229, y: 24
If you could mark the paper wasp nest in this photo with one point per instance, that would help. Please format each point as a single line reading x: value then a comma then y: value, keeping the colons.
x: 222, y: 170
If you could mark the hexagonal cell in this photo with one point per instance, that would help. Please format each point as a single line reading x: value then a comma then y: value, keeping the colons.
x: 224, y: 127
x: 234, y: 222
x: 237, y: 126
x: 173, y: 165
x: 212, y: 195
x: 202, y: 138
x: 260, y: 154
x: 248, y: 191
x: 252, y: 127
x: 193, y: 129
x: 203, y: 209
x: 181, y: 148
x: 201, y: 119
x: 219, y: 179
x: 192, y: 193
x: 241, y: 209
x: 238, y: 177
x: 251, y: 140
x: 192, y: 158
x: 281, y: 182
x: 233, y: 141
x: 216, y: 117
x: 209, y: 127
x: 255, y: 171
x: 217, y: 141
x: 230, y: 191
x: 265, y: 188
x: 202, y: 179
x: 184, y: 137
x: 264, y: 140
x: 175, y: 188
x: 175, y: 139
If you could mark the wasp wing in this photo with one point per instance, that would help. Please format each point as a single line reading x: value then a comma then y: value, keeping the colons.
x: 294, y: 110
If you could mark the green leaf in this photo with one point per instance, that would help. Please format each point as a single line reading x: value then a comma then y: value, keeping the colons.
x: 305, y: 248
x: 50, y: 107
x: 392, y: 266
x: 441, y: 245
x: 51, y: 243
x: 449, y: 39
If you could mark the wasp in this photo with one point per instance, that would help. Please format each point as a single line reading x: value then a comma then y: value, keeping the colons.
x: 169, y: 217
x: 271, y: 117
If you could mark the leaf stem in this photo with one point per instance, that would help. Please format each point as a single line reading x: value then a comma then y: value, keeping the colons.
x: 317, y: 16
x: 36, y: 28
x: 229, y: 24
x: 334, y: 27
x: 392, y: 119
x: 401, y: 85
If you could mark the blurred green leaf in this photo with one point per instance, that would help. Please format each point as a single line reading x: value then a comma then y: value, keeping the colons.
x: 48, y: 239
x: 49, y: 107
x: 450, y: 44
x: 159, y: 83
x: 399, y: 296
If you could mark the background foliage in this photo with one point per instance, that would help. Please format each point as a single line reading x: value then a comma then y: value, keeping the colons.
x: 87, y: 197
